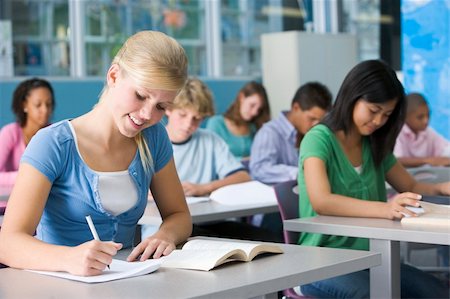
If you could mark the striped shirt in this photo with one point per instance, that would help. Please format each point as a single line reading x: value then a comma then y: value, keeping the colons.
x: 274, y: 155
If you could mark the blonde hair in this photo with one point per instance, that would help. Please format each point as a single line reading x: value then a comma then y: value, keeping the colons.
x: 195, y: 95
x: 152, y: 60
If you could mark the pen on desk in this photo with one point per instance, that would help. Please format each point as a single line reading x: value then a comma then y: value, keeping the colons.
x: 92, y: 228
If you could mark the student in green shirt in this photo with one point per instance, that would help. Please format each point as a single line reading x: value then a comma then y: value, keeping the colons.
x: 344, y: 163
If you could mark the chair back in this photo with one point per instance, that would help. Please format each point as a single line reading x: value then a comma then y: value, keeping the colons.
x: 287, y: 198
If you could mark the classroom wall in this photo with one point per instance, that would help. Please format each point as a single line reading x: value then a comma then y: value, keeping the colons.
x: 426, y: 56
x: 77, y: 96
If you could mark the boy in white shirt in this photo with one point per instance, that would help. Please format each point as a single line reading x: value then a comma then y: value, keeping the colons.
x: 203, y: 160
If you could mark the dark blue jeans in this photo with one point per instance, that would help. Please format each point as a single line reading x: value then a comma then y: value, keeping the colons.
x: 414, y: 284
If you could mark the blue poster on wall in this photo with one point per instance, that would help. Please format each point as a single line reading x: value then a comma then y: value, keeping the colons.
x: 426, y: 56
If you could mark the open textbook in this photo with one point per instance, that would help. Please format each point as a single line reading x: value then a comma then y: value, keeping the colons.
x: 200, y: 254
x: 118, y: 270
x: 432, y: 214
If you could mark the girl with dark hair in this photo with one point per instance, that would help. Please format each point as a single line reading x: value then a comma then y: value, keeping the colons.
x: 238, y: 125
x: 343, y: 166
x: 33, y: 104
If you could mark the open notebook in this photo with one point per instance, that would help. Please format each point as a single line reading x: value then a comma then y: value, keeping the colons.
x: 247, y: 193
x: 429, y: 214
x: 118, y: 270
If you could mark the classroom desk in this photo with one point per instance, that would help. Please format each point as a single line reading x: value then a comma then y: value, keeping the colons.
x: 298, y: 265
x: 210, y: 211
x: 384, y: 237
x: 207, y: 211
x: 430, y: 174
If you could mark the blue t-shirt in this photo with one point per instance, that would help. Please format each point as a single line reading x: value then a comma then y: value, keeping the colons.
x: 74, y: 192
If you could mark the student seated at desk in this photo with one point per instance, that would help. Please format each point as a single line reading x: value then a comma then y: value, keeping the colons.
x: 238, y: 125
x: 344, y: 162
x: 274, y: 153
x: 202, y: 159
x: 418, y: 144
x: 102, y: 164
x: 32, y: 104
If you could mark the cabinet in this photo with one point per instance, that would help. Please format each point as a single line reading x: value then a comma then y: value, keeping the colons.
x: 292, y: 58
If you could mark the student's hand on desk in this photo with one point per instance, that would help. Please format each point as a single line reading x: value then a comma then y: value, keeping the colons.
x: 152, y: 247
x: 194, y: 189
x: 92, y: 257
x: 396, y: 207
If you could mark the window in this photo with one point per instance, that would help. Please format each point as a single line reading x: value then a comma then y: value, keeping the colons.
x: 40, y: 37
x: 221, y: 37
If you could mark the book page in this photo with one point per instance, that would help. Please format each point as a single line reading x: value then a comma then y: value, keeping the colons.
x: 196, y: 259
x: 118, y: 270
x: 434, y: 215
x: 250, y: 249
x: 252, y: 192
x: 431, y: 208
x: 428, y: 220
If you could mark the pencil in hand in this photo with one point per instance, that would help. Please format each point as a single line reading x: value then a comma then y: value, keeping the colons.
x: 93, y: 230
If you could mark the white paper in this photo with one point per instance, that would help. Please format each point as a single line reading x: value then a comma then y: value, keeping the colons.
x: 191, y: 199
x: 248, y: 193
x: 118, y: 270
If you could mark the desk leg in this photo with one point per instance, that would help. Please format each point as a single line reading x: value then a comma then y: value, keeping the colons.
x: 385, y: 279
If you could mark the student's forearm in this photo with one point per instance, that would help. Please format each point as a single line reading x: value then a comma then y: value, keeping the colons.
x: 15, y: 252
x: 427, y: 189
x: 235, y: 178
x: 412, y: 162
x: 338, y: 205
x: 177, y: 226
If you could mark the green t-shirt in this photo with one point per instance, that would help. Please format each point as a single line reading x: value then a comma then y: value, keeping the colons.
x: 369, y: 184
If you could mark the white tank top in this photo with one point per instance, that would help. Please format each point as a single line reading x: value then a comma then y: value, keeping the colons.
x: 358, y: 169
x: 117, y: 191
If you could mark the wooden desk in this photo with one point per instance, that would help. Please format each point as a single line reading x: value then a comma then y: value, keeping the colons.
x: 384, y: 237
x: 210, y: 211
x: 265, y: 275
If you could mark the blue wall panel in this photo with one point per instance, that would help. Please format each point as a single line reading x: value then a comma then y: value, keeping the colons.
x: 426, y: 56
x: 75, y: 97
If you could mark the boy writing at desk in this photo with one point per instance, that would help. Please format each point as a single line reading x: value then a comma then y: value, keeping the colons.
x: 202, y: 159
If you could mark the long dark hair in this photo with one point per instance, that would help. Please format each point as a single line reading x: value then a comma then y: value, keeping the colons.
x: 375, y: 82
x: 21, y: 93
x: 234, y: 114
